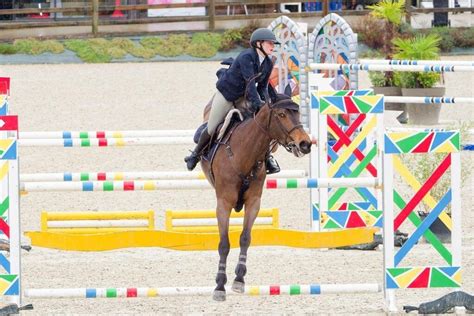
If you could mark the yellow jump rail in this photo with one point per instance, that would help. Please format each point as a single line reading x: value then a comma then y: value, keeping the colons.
x: 96, y: 222
x: 204, y: 221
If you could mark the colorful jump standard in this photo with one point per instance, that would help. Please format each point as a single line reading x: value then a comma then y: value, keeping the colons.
x: 396, y: 275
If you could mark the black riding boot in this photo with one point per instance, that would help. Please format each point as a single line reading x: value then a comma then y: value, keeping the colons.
x: 195, y: 156
x: 272, y: 165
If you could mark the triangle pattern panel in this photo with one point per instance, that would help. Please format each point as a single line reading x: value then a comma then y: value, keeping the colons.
x: 8, y: 149
x: 423, y: 277
x: 424, y: 146
x: 422, y: 142
x: 9, y: 284
x: 355, y: 220
x: 390, y: 146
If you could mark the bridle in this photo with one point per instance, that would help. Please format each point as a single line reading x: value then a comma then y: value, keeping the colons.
x: 289, y: 140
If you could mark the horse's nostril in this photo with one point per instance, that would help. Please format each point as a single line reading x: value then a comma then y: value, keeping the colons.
x: 305, y: 147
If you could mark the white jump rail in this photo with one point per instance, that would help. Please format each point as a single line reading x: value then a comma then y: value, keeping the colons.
x: 139, y: 175
x: 105, y: 134
x: 416, y: 62
x: 153, y: 185
x: 372, y: 67
x: 306, y: 289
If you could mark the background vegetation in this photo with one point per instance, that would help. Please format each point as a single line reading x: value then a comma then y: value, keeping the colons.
x: 205, y: 45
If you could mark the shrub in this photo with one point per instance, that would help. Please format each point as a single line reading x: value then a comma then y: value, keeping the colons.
x: 211, y: 39
x: 446, y: 43
x: 463, y: 37
x: 54, y: 47
x: 142, y: 52
x: 116, y: 52
x: 181, y: 40
x: 202, y: 50
x: 230, y: 39
x: 369, y: 30
x: 90, y: 51
x: 122, y: 43
x: 7, y: 49
x: 420, y: 47
x: 152, y: 43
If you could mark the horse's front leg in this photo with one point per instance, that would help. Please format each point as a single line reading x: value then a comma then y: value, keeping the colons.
x: 222, y: 213
x: 252, y: 208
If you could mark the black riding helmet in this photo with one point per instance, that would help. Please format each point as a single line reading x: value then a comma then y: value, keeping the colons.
x: 262, y: 34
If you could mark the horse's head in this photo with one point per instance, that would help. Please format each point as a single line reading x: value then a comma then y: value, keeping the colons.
x: 285, y: 127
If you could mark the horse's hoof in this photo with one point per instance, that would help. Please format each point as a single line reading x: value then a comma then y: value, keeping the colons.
x: 238, y: 287
x: 218, y: 296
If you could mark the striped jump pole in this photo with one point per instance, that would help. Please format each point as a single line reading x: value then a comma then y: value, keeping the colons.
x: 152, y: 185
x: 296, y: 289
x: 416, y: 62
x: 105, y: 142
x: 109, y: 142
x: 372, y: 67
x: 145, y: 175
x: 105, y: 134
x: 428, y: 100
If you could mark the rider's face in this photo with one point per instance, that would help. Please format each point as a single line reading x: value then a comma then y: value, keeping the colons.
x: 268, y: 47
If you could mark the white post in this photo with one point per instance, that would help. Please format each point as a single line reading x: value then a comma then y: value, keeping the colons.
x: 314, y: 161
x: 14, y: 223
x: 456, y: 235
x: 323, y: 163
x: 388, y: 234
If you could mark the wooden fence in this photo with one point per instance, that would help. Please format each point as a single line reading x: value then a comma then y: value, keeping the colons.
x: 95, y: 15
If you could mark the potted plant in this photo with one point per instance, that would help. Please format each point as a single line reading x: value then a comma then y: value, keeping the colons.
x: 389, y: 14
x: 420, y: 47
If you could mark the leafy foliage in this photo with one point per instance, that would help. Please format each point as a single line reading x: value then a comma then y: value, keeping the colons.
x: 7, y: 49
x: 420, y: 47
x: 35, y: 47
x: 389, y: 10
x: 230, y: 38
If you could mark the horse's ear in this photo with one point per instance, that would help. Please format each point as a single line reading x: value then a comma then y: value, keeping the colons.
x: 288, y: 90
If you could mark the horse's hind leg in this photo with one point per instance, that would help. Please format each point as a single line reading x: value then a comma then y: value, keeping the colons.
x: 222, y: 213
x: 251, y: 212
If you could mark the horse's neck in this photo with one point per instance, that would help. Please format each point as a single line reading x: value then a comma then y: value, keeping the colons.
x: 253, y: 141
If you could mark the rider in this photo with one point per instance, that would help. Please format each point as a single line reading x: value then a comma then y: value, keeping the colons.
x: 250, y: 70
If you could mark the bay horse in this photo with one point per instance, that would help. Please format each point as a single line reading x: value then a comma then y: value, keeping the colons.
x: 237, y: 172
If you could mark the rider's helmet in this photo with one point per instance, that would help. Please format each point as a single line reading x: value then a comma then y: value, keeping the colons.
x: 262, y: 34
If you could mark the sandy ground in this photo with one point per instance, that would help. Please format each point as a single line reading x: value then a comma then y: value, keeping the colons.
x: 171, y: 96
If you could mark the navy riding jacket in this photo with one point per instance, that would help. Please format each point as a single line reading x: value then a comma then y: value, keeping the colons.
x: 233, y: 81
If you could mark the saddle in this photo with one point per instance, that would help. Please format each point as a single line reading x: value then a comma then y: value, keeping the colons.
x: 220, y: 136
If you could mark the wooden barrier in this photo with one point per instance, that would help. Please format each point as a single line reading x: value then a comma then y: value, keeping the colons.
x: 198, y: 221
x: 96, y: 222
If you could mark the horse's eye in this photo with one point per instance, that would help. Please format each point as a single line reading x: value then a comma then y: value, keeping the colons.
x: 282, y: 115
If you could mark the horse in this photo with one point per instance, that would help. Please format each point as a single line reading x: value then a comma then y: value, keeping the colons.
x: 237, y: 172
